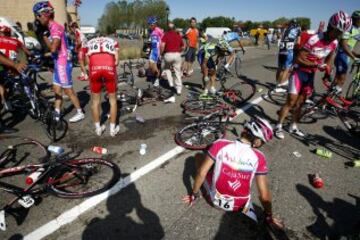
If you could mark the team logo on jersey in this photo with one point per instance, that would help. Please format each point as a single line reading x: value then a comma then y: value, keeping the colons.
x: 235, y: 185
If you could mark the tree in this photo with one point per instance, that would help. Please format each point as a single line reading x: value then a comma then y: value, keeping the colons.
x: 131, y: 14
x: 181, y: 23
x: 218, y: 22
x: 304, y: 22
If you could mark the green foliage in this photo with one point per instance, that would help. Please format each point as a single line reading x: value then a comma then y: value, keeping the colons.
x: 131, y: 14
x: 218, y: 22
x: 181, y: 23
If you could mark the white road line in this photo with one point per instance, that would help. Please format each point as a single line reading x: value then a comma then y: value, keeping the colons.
x: 72, y: 214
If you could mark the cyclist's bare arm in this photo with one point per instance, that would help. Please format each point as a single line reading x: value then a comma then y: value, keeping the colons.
x: 345, y: 46
x: 264, y: 193
x: 54, y: 45
x: 116, y: 57
x: 7, y: 62
x: 301, y: 59
x: 203, y: 170
x: 162, y: 48
x: 242, y: 47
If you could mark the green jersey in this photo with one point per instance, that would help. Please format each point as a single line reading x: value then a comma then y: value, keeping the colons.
x: 352, y: 37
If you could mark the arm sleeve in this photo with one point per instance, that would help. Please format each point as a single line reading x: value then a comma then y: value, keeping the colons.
x: 216, y: 147
x: 262, y: 168
x: 56, y: 32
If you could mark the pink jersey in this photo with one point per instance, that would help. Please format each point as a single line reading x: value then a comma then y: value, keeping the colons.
x: 319, y: 49
x: 58, y: 32
x: 236, y: 164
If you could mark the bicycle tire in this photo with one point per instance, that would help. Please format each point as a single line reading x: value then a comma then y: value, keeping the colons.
x: 350, y: 120
x: 28, y: 149
x: 311, y: 113
x: 67, y: 177
x: 353, y: 92
x: 239, y: 93
x: 56, y: 130
x: 204, y: 107
x: 279, y: 98
x: 198, y: 136
x: 238, y: 64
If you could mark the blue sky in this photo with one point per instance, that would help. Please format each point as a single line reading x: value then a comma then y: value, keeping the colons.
x: 255, y: 10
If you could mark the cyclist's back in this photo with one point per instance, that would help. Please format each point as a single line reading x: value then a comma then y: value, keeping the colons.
x: 57, y: 31
x: 236, y: 164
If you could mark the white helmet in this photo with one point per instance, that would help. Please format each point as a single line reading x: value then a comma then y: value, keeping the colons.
x: 341, y: 21
x: 260, y: 128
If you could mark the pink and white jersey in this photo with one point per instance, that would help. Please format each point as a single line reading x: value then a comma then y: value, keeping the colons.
x: 58, y: 32
x: 102, y: 45
x: 319, y: 49
x: 236, y: 164
x: 80, y: 36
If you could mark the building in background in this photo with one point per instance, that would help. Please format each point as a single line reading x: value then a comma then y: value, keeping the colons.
x: 21, y: 11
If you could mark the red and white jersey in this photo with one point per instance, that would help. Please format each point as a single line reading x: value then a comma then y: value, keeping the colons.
x: 102, y: 45
x: 236, y: 164
x: 10, y: 47
x: 79, y: 36
x: 318, y: 48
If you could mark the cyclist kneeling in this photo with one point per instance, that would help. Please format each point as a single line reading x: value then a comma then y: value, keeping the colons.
x: 229, y: 168
x: 102, y: 53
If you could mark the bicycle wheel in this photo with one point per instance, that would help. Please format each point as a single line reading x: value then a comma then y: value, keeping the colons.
x: 81, y: 178
x: 279, y: 98
x: 351, y: 120
x: 198, y: 136
x: 239, y: 93
x: 238, y: 64
x: 28, y: 150
x: 204, y: 107
x: 314, y: 110
x: 353, y: 92
x: 55, y: 130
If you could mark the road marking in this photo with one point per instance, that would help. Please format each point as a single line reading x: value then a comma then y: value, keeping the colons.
x: 73, y: 213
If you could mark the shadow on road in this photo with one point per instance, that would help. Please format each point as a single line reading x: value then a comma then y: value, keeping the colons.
x: 335, y: 219
x: 343, y: 146
x: 127, y: 218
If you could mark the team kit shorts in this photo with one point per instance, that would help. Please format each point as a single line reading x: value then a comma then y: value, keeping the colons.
x: 62, y: 74
x: 301, y: 82
x: 285, y: 60
x: 102, y: 72
x: 342, y: 62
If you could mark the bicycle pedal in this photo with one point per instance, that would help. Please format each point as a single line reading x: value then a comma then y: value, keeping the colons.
x: 2, y: 220
x: 26, y: 201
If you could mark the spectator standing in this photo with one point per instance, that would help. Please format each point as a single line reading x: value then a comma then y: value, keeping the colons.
x: 192, y: 36
x: 171, y: 47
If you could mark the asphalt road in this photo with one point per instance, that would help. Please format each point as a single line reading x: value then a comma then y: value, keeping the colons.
x: 151, y: 207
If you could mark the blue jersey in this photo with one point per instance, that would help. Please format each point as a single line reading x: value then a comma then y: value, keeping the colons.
x: 291, y: 34
x: 231, y: 36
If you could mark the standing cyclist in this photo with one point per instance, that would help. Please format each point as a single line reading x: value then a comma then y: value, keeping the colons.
x: 56, y: 41
x: 286, y: 54
x: 317, y: 52
x: 229, y: 168
x: 80, y: 49
x: 156, y: 35
x: 103, y: 54
x: 345, y: 52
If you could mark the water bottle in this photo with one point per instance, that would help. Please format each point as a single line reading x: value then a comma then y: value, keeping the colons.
x: 142, y: 150
x: 317, y: 182
x: 33, y: 177
x: 323, y: 153
x: 99, y: 150
x: 56, y: 149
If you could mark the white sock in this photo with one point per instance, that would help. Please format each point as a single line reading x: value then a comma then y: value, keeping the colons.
x: 97, y: 125
x: 79, y: 110
x: 112, y: 126
x: 293, y: 126
x: 226, y: 65
x: 57, y: 110
x: 279, y: 126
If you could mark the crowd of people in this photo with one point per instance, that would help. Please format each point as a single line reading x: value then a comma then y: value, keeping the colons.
x: 228, y: 168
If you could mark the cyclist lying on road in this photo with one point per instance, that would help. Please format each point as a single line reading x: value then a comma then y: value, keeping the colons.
x: 228, y: 169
